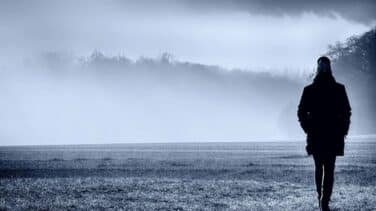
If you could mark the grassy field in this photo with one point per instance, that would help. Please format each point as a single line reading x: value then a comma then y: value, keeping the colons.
x: 186, y: 176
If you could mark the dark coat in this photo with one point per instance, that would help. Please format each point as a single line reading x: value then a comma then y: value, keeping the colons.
x: 324, y: 114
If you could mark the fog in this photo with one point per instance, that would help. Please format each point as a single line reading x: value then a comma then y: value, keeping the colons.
x: 78, y: 72
x: 58, y: 99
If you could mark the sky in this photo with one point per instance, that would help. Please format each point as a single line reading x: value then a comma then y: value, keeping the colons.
x: 256, y: 35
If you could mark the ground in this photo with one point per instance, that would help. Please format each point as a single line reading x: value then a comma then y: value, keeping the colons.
x: 189, y: 176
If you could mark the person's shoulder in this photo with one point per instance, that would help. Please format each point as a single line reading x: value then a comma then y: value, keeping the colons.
x: 340, y: 85
x: 308, y: 87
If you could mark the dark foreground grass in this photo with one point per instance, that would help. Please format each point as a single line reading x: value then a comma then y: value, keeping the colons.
x: 137, y: 193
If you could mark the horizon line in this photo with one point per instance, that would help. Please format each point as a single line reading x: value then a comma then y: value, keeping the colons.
x: 354, y: 138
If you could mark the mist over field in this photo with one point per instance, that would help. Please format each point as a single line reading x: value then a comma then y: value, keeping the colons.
x: 95, y: 72
x: 61, y: 98
x: 98, y: 99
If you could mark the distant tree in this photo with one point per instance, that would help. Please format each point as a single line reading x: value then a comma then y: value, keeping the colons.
x: 99, y: 61
x: 357, y: 54
x: 354, y: 62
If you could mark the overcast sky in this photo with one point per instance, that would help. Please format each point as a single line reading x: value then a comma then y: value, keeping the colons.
x: 234, y: 34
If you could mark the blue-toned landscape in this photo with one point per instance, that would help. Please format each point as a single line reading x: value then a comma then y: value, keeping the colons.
x: 187, y: 104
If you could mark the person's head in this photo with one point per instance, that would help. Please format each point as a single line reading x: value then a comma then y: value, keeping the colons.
x: 323, y: 65
x: 324, y: 71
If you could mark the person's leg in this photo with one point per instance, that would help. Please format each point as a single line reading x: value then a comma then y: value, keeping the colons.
x: 329, y: 165
x: 318, y: 173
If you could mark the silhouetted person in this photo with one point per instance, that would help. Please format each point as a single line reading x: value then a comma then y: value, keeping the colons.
x: 324, y: 114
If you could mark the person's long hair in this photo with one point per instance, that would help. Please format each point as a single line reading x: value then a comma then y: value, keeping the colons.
x: 324, y: 78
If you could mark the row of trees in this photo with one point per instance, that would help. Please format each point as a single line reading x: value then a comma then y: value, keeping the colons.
x: 354, y: 64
